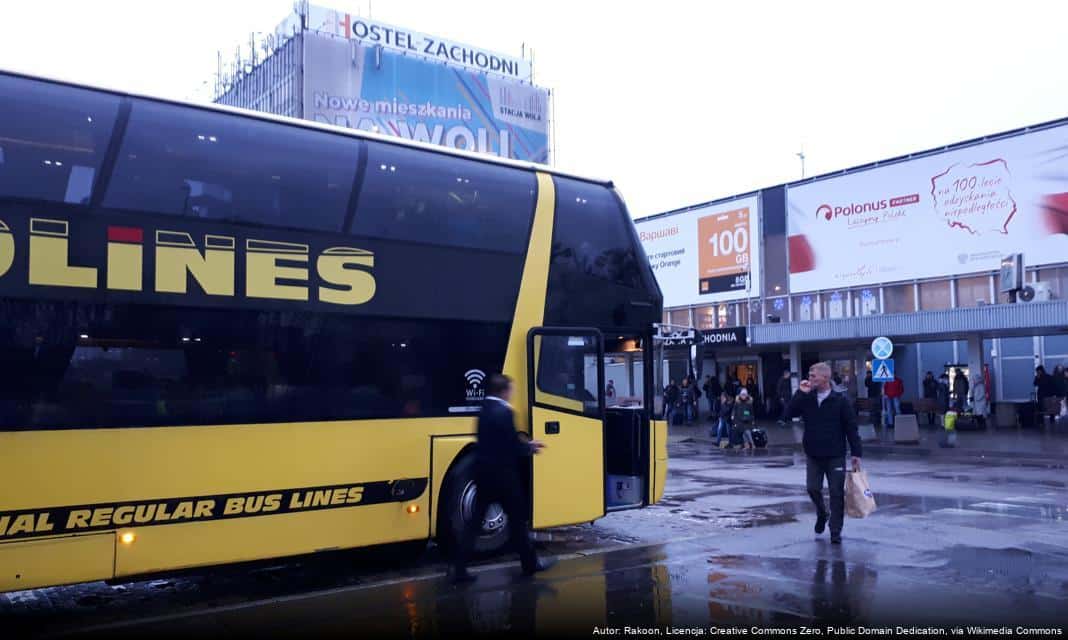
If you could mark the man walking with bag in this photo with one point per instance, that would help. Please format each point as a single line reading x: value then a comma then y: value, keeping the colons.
x: 829, y: 423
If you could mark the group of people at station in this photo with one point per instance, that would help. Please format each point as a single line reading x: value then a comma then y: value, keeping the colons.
x: 1053, y: 387
x: 959, y: 393
x: 682, y: 402
x: 732, y: 408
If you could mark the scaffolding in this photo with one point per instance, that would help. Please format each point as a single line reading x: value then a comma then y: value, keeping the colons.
x: 272, y: 86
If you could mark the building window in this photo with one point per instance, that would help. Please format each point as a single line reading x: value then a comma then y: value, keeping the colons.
x: 1055, y: 345
x: 806, y: 307
x: 971, y: 291
x: 1058, y: 281
x: 726, y: 316
x: 52, y: 139
x: 777, y: 309
x: 865, y: 302
x: 1017, y: 347
x: 415, y: 196
x: 607, y: 254
x: 190, y: 162
x: 715, y: 316
x: 899, y: 299
x: 680, y: 317
x: 935, y: 296
x: 85, y: 365
x: 705, y: 317
x: 1017, y: 377
x: 754, y: 314
x: 835, y: 304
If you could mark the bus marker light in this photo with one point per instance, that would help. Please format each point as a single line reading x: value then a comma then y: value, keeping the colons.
x: 413, y: 508
x: 128, y: 538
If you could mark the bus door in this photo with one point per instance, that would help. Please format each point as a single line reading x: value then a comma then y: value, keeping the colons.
x: 566, y: 390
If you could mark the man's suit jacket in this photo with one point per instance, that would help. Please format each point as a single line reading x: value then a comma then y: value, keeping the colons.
x: 500, y: 452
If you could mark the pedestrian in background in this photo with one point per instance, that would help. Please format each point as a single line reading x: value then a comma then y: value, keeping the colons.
x: 712, y: 391
x: 686, y: 400
x: 726, y: 418
x: 875, y: 397
x: 892, y: 392
x: 744, y: 417
x: 696, y: 400
x: 1044, y: 387
x: 1060, y: 383
x: 980, y: 403
x: 783, y: 391
x: 829, y: 425
x: 943, y: 393
x: 960, y: 390
x: 732, y: 386
x: 671, y: 401
x: 930, y: 392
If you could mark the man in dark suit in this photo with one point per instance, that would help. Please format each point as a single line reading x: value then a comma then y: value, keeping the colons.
x: 829, y: 424
x: 498, y: 460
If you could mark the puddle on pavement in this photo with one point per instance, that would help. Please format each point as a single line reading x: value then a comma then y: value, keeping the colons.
x: 990, y: 479
x: 732, y: 490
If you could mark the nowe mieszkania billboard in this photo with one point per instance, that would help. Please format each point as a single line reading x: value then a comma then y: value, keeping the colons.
x: 365, y: 74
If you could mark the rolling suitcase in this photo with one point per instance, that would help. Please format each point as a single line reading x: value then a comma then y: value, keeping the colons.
x: 760, y: 438
x: 736, y: 439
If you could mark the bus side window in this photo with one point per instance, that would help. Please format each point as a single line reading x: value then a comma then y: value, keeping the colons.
x: 191, y: 162
x: 52, y: 139
x: 420, y: 196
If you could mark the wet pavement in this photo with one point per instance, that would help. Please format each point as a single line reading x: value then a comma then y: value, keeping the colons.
x: 1010, y: 443
x: 953, y: 543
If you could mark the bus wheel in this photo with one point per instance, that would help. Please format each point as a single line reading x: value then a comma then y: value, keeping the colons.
x: 458, y: 505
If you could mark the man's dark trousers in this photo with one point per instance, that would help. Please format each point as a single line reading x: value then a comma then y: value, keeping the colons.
x: 834, y: 470
x: 510, y: 496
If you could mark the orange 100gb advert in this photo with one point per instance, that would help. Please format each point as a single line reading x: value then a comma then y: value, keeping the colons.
x: 723, y: 251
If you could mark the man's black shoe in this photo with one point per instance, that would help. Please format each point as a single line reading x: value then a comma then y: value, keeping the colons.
x: 836, y: 538
x: 540, y: 565
x: 461, y: 576
x: 821, y: 522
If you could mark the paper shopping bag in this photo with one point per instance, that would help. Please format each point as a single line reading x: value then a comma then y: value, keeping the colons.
x: 859, y: 501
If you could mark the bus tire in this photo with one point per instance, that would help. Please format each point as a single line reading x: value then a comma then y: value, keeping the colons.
x: 457, y: 503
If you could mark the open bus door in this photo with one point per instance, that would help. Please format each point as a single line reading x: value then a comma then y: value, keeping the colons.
x: 567, y: 408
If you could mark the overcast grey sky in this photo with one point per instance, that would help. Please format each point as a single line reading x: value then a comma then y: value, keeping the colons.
x: 678, y: 102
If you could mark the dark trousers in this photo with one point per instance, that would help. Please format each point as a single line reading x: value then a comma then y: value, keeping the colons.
x: 834, y: 469
x: 512, y: 500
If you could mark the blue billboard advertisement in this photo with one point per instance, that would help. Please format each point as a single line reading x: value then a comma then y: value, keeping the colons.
x: 354, y: 85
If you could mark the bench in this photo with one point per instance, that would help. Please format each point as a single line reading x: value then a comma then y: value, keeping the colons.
x: 870, y: 406
x: 927, y: 405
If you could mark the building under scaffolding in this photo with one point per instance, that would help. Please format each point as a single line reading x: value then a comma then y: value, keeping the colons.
x: 339, y: 69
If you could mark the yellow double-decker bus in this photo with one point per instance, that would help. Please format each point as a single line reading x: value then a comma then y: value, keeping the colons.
x: 228, y: 336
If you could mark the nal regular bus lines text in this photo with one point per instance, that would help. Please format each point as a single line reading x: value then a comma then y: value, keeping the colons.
x: 828, y: 631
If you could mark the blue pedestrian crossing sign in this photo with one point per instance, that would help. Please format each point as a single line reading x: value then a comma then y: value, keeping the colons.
x: 882, y: 370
